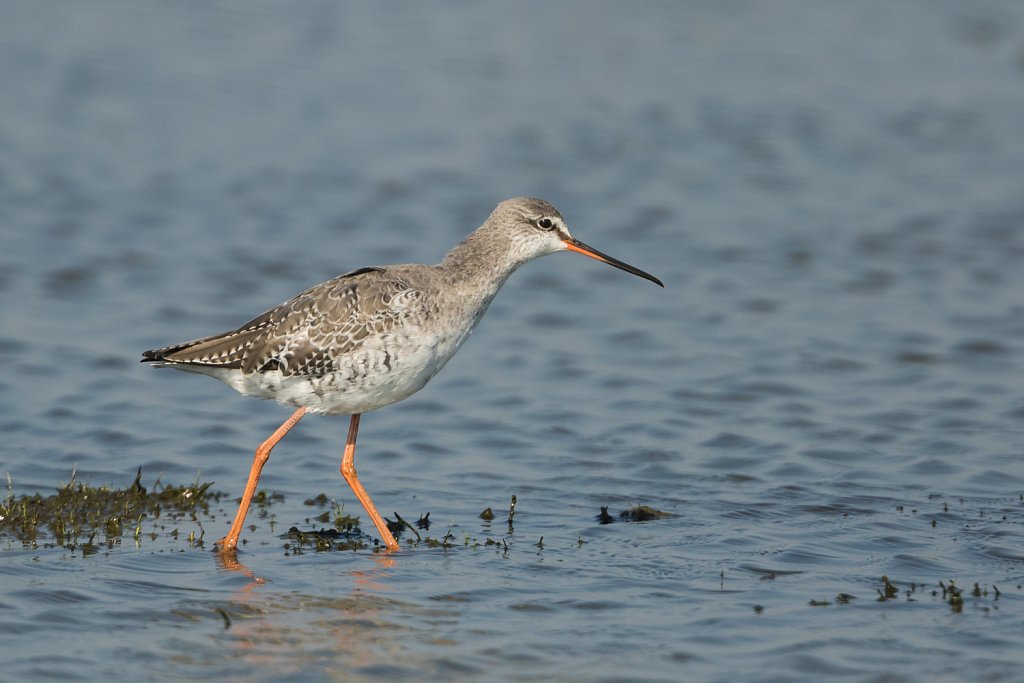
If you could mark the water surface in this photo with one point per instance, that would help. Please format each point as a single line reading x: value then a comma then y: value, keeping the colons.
x: 828, y: 390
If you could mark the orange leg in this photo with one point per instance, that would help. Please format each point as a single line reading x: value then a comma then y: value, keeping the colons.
x: 230, y: 542
x: 348, y: 470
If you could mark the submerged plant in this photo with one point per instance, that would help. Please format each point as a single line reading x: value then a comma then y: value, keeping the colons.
x: 77, y: 512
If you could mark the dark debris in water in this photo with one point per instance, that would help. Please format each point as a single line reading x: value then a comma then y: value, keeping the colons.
x: 320, y: 501
x: 322, y: 540
x: 951, y: 594
x: 642, y: 513
x: 77, y: 514
x: 345, y: 534
x: 637, y: 513
x: 956, y: 598
x: 337, y: 517
x: 348, y: 536
x: 83, y: 517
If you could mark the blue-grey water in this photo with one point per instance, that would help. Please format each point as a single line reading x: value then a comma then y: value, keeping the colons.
x: 828, y: 390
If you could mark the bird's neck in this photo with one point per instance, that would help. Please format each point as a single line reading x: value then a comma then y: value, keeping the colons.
x: 479, y: 265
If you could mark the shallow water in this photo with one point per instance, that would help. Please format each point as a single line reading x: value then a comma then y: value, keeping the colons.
x: 827, y: 391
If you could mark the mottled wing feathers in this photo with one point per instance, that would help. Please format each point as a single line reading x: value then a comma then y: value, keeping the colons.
x: 308, y: 335
x: 225, y: 350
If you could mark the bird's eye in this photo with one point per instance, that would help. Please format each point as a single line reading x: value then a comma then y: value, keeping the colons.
x: 545, y: 223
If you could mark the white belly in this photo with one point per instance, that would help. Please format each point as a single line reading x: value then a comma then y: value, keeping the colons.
x: 376, y: 375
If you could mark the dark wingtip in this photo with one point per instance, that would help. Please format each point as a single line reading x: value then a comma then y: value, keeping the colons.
x: 157, y: 355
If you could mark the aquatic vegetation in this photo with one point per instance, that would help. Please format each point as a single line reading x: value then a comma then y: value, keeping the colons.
x: 637, y: 513
x: 78, y: 513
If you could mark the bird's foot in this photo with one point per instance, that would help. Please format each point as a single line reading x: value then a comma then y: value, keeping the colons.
x: 226, y: 545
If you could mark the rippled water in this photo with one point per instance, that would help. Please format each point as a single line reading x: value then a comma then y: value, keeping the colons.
x: 828, y: 390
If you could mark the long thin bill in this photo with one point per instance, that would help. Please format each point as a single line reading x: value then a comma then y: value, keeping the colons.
x: 580, y: 248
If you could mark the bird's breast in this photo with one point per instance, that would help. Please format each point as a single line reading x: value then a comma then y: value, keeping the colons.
x: 383, y: 371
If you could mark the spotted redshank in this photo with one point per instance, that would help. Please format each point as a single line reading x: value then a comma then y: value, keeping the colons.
x: 373, y: 336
